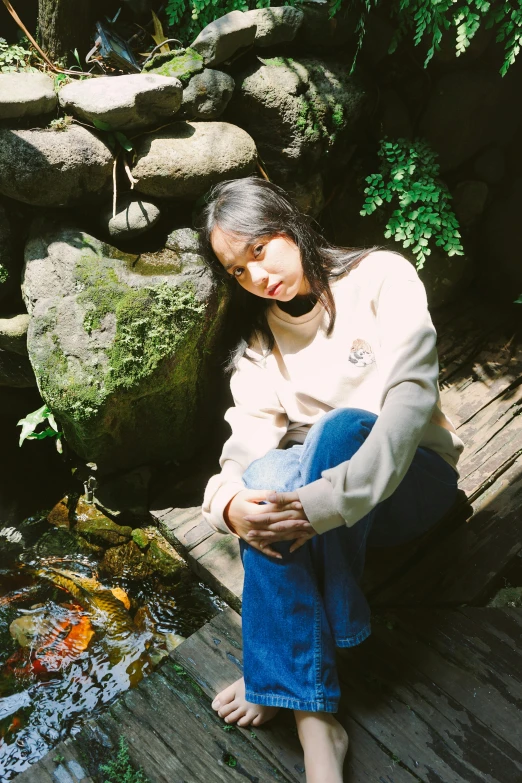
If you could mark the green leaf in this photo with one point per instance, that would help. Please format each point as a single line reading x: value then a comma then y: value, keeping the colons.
x: 124, y: 141
x: 31, y: 421
x: 519, y: 300
x: 104, y: 126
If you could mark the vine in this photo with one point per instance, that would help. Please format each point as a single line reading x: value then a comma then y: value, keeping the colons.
x: 409, y: 177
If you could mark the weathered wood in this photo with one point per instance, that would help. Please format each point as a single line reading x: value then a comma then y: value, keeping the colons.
x: 213, y: 656
x: 173, y: 735
x: 487, y: 374
x: 186, y: 525
x: 64, y: 764
x: 407, y: 693
x: 464, y: 565
x: 463, y: 659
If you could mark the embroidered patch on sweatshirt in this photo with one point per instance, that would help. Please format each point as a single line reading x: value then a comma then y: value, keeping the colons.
x: 361, y: 353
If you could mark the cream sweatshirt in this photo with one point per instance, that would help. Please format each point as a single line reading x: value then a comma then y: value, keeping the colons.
x: 381, y: 356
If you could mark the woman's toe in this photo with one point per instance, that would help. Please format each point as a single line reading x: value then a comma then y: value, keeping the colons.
x: 234, y: 716
x: 246, y: 720
x: 226, y: 709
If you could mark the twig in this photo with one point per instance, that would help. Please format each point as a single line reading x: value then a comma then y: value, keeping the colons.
x: 40, y: 51
x: 263, y: 172
x: 132, y: 180
x: 114, y: 184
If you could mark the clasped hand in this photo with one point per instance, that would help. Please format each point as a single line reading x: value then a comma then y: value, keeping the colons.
x: 280, y: 518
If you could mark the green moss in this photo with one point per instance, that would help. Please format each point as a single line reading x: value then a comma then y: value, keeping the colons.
x: 4, y: 274
x: 278, y: 61
x: 140, y: 538
x: 99, y: 288
x: 508, y: 596
x: 183, y: 64
x: 151, y: 323
x: 338, y: 119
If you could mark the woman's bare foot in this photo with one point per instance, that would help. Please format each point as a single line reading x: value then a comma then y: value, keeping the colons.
x: 325, y: 744
x: 232, y: 705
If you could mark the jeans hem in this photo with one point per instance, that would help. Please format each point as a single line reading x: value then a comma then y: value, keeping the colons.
x: 273, y: 700
x: 353, y: 641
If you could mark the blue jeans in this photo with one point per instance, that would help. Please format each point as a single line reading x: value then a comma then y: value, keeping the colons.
x: 297, y: 610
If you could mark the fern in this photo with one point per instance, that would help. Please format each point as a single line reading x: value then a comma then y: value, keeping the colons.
x: 408, y: 177
x: 121, y: 770
x: 428, y: 20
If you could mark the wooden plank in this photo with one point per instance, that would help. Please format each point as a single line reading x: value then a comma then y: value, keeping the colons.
x: 186, y: 526
x: 505, y: 625
x: 465, y: 661
x: 217, y: 561
x: 213, y: 657
x: 61, y: 765
x: 463, y: 566
x: 493, y: 438
x: 394, y: 686
x: 174, y: 735
x: 486, y: 376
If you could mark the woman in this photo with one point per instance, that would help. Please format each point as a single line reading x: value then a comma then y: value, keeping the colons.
x: 337, y: 439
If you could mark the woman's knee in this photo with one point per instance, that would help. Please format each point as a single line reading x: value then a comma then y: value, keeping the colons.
x: 343, y: 424
x: 334, y: 439
x: 277, y: 470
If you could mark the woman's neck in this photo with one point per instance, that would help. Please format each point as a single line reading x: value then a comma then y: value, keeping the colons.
x: 299, y: 305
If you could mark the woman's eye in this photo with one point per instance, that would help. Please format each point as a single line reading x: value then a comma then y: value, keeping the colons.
x: 238, y: 271
x: 257, y: 249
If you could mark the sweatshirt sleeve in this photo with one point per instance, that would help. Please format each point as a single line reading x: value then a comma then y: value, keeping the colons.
x: 258, y: 423
x: 407, y: 360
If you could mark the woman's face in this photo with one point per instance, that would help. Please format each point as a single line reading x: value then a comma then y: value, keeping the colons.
x: 269, y: 267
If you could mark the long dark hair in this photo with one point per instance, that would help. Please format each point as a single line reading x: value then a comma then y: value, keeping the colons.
x: 254, y: 208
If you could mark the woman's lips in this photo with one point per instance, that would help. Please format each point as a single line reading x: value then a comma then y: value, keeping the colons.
x: 272, y: 291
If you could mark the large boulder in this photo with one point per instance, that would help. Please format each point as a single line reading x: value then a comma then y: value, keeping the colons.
x: 186, y: 159
x: 301, y: 113
x: 468, y: 110
x: 275, y: 25
x: 52, y: 168
x: 207, y: 95
x: 126, y: 103
x: 221, y: 39
x: 121, y: 345
x: 26, y: 94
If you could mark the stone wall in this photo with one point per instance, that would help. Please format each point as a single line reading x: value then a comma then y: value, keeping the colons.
x: 105, y: 303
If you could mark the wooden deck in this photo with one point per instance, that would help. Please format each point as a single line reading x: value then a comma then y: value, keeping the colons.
x: 433, y: 697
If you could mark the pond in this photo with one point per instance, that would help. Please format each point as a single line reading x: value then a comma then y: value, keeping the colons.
x: 73, y: 634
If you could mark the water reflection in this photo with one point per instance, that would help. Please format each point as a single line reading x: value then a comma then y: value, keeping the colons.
x: 70, y: 642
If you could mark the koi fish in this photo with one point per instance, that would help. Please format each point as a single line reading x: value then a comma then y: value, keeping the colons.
x: 108, y: 609
x: 49, y: 643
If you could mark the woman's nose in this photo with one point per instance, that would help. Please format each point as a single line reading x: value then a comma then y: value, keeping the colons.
x: 257, y: 274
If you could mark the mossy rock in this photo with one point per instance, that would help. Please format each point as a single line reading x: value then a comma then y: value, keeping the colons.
x: 182, y: 63
x: 140, y: 538
x: 302, y: 113
x: 120, y: 346
x: 100, y: 530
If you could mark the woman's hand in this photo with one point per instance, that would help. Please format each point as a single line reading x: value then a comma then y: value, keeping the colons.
x: 280, y: 518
